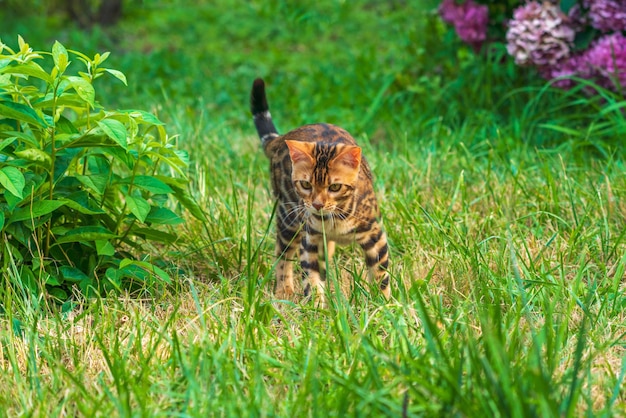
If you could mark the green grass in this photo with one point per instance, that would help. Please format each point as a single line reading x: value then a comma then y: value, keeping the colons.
x: 504, y: 204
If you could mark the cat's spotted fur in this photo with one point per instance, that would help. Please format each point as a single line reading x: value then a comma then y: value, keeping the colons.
x: 324, y: 189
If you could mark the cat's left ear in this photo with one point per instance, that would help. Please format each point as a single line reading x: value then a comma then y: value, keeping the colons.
x: 300, y: 152
x: 349, y: 156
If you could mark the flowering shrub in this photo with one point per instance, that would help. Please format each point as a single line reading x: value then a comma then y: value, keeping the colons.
x: 570, y: 39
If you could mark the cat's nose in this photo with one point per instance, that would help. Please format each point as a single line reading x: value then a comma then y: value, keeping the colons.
x: 317, y: 205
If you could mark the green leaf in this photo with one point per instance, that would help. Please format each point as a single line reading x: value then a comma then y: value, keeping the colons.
x: 30, y: 69
x: 53, y: 281
x: 60, y: 57
x: 12, y: 200
x: 73, y: 101
x: 566, y: 5
x: 95, y: 182
x: 174, y: 164
x: 22, y: 113
x: 150, y: 184
x: 584, y: 38
x: 142, y: 116
x: 189, y: 203
x: 99, y: 59
x: 115, y: 130
x: 151, y: 268
x: 153, y: 235
x: 36, y: 155
x: 117, y: 74
x: 82, y: 208
x: 1, y: 220
x: 65, y: 125
x: 72, y: 274
x: 37, y: 209
x: 84, y: 89
x: 22, y: 137
x: 13, y: 180
x: 7, y: 141
x: 138, y: 206
x: 163, y: 216
x: 21, y: 43
x: 105, y: 248
x: 86, y: 233
x: 57, y: 292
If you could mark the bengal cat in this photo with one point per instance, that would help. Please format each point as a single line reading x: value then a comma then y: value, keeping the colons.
x: 325, y: 196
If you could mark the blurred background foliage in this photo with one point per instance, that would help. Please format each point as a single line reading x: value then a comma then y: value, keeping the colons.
x: 387, y: 67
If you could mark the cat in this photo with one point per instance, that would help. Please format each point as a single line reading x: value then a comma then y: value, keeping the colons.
x: 325, y: 196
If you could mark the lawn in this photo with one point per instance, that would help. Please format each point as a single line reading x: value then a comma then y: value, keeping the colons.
x: 504, y: 201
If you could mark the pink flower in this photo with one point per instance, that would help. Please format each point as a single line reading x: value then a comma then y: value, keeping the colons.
x: 607, y: 59
x: 473, y: 28
x: 539, y: 34
x: 450, y: 11
x: 607, y: 15
x: 469, y: 19
x: 573, y: 66
x: 604, y: 63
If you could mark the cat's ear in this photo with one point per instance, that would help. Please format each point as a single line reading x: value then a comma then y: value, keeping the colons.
x: 349, y: 156
x: 300, y: 152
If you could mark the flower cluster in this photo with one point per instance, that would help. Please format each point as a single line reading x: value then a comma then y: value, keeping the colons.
x: 605, y: 61
x: 541, y: 35
x: 469, y: 20
x: 607, y: 15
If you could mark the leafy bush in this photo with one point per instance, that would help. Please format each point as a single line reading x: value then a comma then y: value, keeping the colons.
x: 83, y: 187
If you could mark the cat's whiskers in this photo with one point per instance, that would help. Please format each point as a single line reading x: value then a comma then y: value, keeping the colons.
x: 351, y: 214
x: 297, y: 213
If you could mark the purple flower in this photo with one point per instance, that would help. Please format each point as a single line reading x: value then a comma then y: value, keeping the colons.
x: 604, y: 63
x: 539, y: 34
x: 473, y: 28
x: 450, y: 11
x: 575, y: 65
x: 469, y: 19
x: 607, y: 15
x: 607, y: 59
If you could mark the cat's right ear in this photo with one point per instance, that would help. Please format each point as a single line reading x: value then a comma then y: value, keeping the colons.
x: 300, y: 152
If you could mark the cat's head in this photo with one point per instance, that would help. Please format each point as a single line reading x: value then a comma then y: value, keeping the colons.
x: 324, y: 175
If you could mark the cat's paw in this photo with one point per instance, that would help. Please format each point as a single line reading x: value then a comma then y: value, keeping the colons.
x: 284, y: 292
x: 317, y: 299
x: 320, y: 301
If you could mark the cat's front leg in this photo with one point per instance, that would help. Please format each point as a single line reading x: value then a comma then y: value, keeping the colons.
x: 374, y: 244
x: 325, y: 256
x: 284, y: 288
x: 286, y: 245
x: 312, y: 280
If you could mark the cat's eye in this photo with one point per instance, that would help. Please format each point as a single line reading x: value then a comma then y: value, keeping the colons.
x: 306, y: 185
x: 335, y: 187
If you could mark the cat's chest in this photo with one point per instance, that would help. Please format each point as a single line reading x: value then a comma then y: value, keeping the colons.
x: 339, y: 230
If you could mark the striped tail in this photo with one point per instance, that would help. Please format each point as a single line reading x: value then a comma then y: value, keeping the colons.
x: 261, y: 113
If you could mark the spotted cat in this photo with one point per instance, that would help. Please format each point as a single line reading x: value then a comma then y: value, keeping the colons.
x: 323, y: 185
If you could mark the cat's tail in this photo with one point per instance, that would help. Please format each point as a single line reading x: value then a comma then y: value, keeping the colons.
x: 261, y: 112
